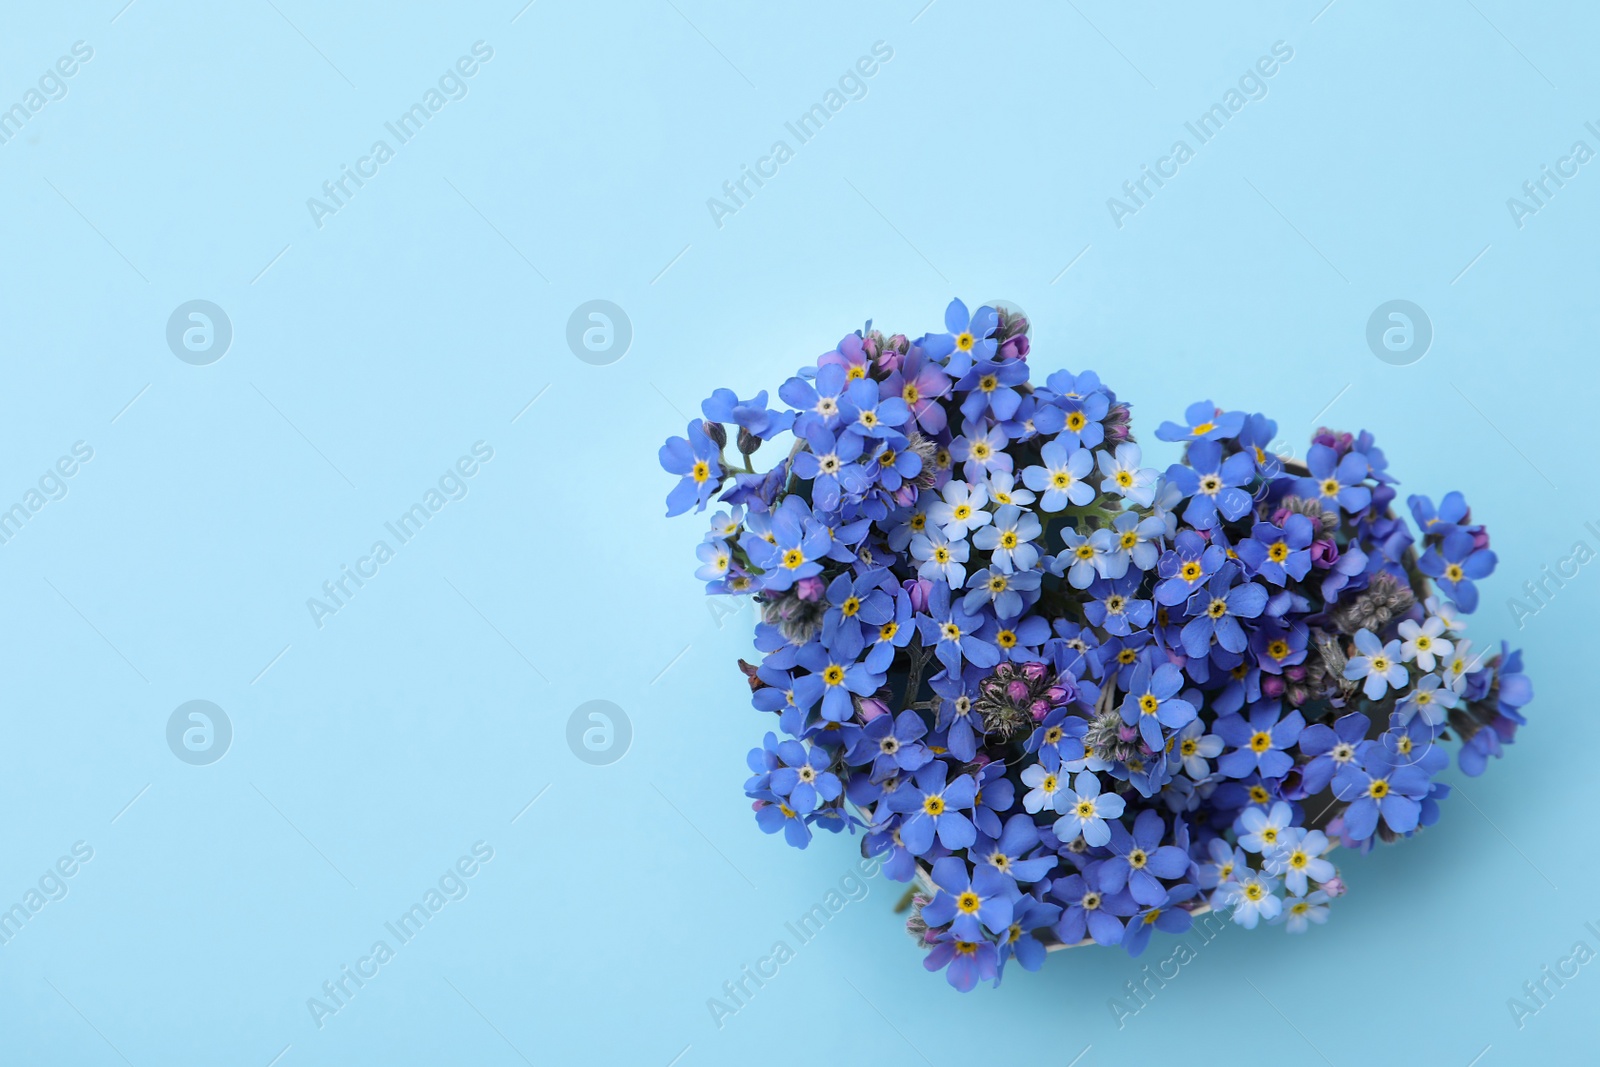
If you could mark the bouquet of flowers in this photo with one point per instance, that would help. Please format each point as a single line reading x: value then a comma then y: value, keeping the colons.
x: 1074, y: 699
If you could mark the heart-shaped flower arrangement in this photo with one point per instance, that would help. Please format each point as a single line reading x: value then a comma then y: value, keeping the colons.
x: 1072, y: 698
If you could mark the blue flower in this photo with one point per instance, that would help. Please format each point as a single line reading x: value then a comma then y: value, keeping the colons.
x: 804, y: 778
x: 831, y: 465
x: 1260, y: 829
x: 773, y: 815
x: 1010, y: 594
x: 892, y: 744
x: 1331, y: 748
x: 1153, y: 702
x: 1443, y: 521
x: 1379, y: 664
x: 833, y: 678
x: 1191, y: 560
x: 867, y: 414
x: 1062, y: 477
x: 1124, y: 476
x: 968, y: 338
x: 1455, y: 564
x: 940, y: 559
x: 1009, y: 539
x: 1115, y: 608
x: 1138, y: 537
x: 1335, y: 481
x: 1205, y: 422
x: 1164, y: 916
x: 753, y: 415
x: 1139, y: 860
x: 1089, y: 911
x: 981, y: 450
x: 994, y: 798
x: 932, y: 806
x: 1009, y: 854
x: 1377, y: 787
x: 991, y: 387
x: 1216, y: 612
x: 799, y: 544
x: 893, y: 634
x: 1211, y: 482
x: 963, y: 962
x: 1088, y: 556
x: 854, y: 603
x: 696, y: 459
x: 1298, y: 857
x: 969, y: 900
x: 1029, y: 915
x: 817, y: 400
x: 1279, y: 553
x: 1259, y: 743
x: 1086, y: 810
x: 954, y: 633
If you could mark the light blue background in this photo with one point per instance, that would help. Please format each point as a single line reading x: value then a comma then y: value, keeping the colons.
x: 425, y: 316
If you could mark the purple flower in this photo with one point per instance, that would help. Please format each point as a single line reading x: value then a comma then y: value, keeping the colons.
x: 921, y: 385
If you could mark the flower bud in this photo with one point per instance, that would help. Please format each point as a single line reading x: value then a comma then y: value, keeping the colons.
x: 810, y: 589
x: 715, y: 431
x: 871, y: 708
x: 748, y: 442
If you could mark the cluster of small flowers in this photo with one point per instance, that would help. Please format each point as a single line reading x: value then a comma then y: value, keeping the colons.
x: 1075, y: 699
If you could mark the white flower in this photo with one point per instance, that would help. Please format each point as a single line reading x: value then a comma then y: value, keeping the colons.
x: 961, y: 510
x: 1422, y: 642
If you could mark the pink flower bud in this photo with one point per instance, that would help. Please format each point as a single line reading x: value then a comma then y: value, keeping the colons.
x: 1017, y: 690
x: 1039, y: 709
x: 918, y: 588
x: 872, y: 708
x: 1126, y: 733
x: 1034, y: 671
x: 1272, y: 686
x: 1334, y: 886
x: 810, y: 589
